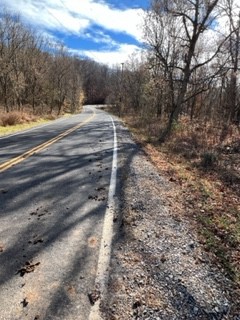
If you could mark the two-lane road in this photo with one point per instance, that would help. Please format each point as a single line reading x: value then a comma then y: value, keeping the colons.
x: 52, y: 204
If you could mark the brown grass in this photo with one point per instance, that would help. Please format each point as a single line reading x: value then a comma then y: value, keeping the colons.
x: 15, y: 117
x: 203, y: 163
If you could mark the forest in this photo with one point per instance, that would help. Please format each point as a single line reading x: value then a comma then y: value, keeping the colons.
x: 184, y: 84
x: 39, y: 76
x: 181, y: 97
x: 189, y: 68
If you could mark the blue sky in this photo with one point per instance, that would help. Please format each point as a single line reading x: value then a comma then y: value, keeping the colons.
x: 107, y: 31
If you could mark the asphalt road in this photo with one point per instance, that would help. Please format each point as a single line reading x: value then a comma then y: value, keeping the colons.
x: 52, y: 206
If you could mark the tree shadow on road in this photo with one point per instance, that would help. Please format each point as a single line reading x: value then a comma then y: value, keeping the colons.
x: 51, y: 217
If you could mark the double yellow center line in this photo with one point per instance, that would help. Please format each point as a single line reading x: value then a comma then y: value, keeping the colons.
x: 8, y: 164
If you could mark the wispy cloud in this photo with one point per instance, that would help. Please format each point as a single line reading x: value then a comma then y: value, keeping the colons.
x: 76, y: 16
x: 93, y: 20
x: 102, y: 14
x: 99, y: 36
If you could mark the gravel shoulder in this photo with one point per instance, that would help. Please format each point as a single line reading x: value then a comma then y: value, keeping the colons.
x: 159, y: 268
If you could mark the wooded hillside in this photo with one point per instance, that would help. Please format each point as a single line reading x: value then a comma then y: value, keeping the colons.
x: 181, y: 97
x: 41, y: 76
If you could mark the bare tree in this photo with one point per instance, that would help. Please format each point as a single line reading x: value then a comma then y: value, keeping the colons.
x: 58, y: 76
x: 173, y: 30
x: 35, y: 72
x: 95, y: 81
x: 75, y: 84
x: 232, y: 10
x: 8, y: 52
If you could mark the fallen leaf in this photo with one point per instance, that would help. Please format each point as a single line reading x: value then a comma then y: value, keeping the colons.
x: 94, y: 296
x: 92, y: 242
x: 24, y: 302
x: 28, y: 268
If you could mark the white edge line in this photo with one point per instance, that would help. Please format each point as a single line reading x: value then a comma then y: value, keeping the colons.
x: 107, y: 235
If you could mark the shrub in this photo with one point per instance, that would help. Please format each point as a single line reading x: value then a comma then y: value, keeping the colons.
x: 11, y: 118
x: 209, y: 159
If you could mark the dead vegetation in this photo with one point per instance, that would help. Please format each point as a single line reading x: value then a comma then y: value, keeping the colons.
x: 14, y: 121
x: 16, y: 117
x: 203, y: 164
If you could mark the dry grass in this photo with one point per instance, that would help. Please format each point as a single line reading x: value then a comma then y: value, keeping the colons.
x: 20, y: 127
x: 17, y: 121
x: 210, y: 204
x: 15, y: 117
x: 200, y: 144
x: 203, y: 163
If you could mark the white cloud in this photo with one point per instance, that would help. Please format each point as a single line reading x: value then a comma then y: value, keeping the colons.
x: 48, y: 15
x: 98, y: 36
x: 70, y: 23
x: 89, y: 19
x: 110, y: 58
x: 73, y: 16
x: 101, y: 13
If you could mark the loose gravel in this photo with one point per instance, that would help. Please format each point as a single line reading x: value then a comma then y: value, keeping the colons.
x: 159, y: 269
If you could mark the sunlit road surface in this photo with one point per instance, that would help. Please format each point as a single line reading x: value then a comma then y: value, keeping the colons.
x: 52, y: 205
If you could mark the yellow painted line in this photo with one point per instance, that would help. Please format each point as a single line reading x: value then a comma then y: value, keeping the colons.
x: 8, y: 164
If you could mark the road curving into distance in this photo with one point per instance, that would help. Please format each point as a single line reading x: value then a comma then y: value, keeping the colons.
x: 54, y: 196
